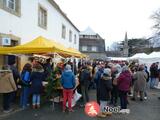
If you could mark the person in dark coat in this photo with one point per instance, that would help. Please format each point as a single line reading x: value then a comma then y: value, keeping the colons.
x: 116, y: 69
x: 97, y: 81
x: 48, y: 67
x: 84, y: 83
x: 16, y: 73
x: 147, y: 80
x: 105, y: 89
x: 25, y: 83
x: 37, y: 77
x: 153, y: 75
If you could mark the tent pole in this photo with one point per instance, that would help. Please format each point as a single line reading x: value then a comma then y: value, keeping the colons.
x: 54, y: 56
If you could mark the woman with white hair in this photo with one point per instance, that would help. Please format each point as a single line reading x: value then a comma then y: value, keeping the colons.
x: 68, y: 84
x: 116, y: 70
x: 124, y: 81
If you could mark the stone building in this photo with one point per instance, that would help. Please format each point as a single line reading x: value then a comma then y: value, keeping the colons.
x: 92, y: 44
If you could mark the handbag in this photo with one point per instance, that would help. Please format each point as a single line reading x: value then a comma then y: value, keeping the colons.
x: 76, y: 97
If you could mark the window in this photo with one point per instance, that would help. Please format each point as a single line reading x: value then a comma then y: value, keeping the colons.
x: 42, y: 17
x: 75, y: 39
x: 70, y: 36
x: 11, y: 4
x: 84, y: 48
x: 63, y: 31
x: 94, y: 48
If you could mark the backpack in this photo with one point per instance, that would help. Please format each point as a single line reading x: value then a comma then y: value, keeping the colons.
x: 85, y: 75
x: 26, y: 77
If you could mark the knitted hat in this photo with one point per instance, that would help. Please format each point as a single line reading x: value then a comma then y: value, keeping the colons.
x: 125, y: 68
x: 68, y: 67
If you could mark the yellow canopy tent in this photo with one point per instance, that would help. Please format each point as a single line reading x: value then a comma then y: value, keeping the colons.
x: 38, y: 45
x: 77, y: 52
x: 69, y: 50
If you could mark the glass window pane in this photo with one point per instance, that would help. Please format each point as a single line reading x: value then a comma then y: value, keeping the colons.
x: 42, y: 17
x: 11, y: 4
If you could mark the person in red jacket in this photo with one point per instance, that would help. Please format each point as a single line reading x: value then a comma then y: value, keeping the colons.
x: 124, y: 81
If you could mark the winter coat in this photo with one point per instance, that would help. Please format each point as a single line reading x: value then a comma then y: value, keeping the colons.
x: 7, y: 83
x: 85, y: 77
x: 68, y: 79
x: 16, y: 74
x: 124, y: 81
x: 98, y: 76
x: 153, y: 72
x: 37, y: 77
x: 105, y: 87
x: 147, y: 80
x: 140, y: 78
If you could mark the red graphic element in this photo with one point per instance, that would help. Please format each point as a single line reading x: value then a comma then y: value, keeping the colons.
x: 92, y: 109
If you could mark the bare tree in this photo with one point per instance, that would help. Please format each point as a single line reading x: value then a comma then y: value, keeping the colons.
x: 156, y: 18
x: 114, y: 46
x: 155, y: 39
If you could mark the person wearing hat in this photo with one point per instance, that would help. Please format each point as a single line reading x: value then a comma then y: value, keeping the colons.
x: 7, y: 87
x: 68, y: 83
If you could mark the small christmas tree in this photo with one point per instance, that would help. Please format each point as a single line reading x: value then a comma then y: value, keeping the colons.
x: 53, y: 79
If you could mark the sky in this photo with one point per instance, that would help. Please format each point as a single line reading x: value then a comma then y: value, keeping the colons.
x: 112, y: 18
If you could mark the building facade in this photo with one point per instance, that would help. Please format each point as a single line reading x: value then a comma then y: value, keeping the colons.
x: 91, y: 44
x: 23, y: 20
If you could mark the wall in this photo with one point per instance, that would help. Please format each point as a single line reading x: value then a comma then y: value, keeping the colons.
x: 99, y: 43
x: 26, y: 26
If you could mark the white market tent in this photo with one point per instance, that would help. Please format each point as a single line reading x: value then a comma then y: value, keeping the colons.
x: 139, y: 55
x: 142, y: 58
x: 119, y: 58
x: 154, y: 55
x: 147, y: 59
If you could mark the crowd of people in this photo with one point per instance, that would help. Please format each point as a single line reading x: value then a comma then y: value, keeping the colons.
x: 28, y: 84
x: 113, y: 83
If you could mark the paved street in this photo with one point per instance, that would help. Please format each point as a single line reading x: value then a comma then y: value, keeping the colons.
x: 147, y: 110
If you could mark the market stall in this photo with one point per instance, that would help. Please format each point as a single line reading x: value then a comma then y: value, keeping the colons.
x: 40, y: 47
